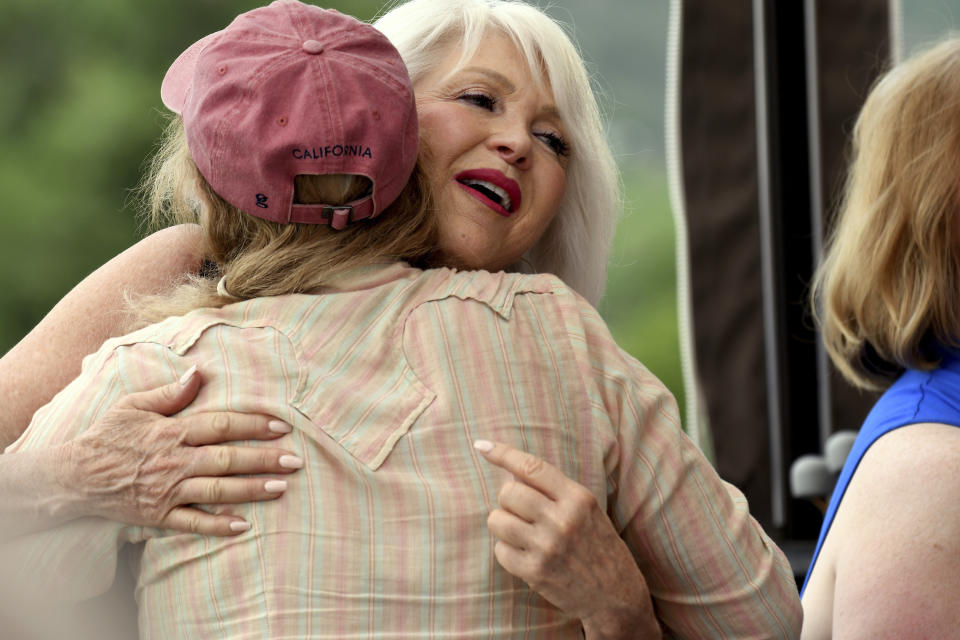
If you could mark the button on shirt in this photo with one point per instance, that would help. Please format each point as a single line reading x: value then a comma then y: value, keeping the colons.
x: 388, y: 379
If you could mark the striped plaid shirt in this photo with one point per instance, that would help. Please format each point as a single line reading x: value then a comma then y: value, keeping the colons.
x: 387, y: 382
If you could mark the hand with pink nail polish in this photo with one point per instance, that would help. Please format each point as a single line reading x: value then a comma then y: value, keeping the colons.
x: 138, y: 466
x: 552, y: 534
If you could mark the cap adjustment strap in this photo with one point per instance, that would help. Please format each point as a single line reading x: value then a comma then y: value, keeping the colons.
x: 337, y: 217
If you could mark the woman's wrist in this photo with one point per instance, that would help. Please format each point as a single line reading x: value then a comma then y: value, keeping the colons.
x: 622, y: 622
x: 37, y: 490
x: 66, y: 498
x: 623, y: 630
x: 87, y: 481
x: 54, y: 485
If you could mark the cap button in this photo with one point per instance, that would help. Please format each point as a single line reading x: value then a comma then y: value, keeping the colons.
x: 312, y: 46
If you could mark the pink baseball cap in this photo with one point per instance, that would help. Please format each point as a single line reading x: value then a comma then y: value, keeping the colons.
x: 291, y: 89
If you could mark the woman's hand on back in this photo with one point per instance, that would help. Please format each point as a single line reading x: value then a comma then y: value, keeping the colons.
x: 139, y: 466
x: 552, y: 534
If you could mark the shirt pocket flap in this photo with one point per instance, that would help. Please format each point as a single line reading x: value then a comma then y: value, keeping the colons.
x: 368, y: 427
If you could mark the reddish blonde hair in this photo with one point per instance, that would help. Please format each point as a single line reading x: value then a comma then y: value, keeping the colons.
x: 888, y: 283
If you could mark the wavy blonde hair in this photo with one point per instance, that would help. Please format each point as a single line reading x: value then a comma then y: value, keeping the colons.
x: 576, y: 245
x: 888, y: 285
x: 262, y: 258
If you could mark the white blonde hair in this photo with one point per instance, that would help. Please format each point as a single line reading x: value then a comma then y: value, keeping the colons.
x: 576, y: 245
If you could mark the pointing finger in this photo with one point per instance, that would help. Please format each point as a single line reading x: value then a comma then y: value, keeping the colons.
x: 526, y: 467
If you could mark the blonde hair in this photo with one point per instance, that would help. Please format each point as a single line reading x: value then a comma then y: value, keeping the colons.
x: 262, y: 258
x: 576, y: 246
x: 888, y: 285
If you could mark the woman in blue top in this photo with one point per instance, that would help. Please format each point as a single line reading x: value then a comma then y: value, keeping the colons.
x: 887, y: 563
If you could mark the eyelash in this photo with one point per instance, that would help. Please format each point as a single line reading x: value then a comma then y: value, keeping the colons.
x: 556, y: 143
x: 553, y: 140
x: 478, y: 99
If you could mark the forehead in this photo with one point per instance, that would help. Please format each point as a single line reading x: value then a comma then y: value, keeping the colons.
x: 494, y: 51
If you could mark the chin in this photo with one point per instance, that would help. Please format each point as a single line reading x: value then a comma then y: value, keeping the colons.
x: 464, y: 255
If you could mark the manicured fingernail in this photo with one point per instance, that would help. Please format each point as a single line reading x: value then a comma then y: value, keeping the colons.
x: 291, y: 462
x: 483, y: 445
x: 279, y: 427
x: 239, y: 526
x: 185, y: 378
x: 275, y: 486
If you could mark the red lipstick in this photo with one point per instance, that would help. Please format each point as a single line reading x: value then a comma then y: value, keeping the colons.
x: 493, y: 188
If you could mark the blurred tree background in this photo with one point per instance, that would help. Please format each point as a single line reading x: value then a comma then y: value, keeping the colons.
x: 80, y: 111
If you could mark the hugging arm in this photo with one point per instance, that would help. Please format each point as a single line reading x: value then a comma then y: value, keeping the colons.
x: 673, y: 539
x: 44, y: 486
x: 711, y: 569
x: 49, y: 357
x: 137, y: 466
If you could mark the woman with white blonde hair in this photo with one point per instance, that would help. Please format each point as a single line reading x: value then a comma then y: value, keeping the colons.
x: 576, y: 244
x: 612, y: 517
x: 887, y: 300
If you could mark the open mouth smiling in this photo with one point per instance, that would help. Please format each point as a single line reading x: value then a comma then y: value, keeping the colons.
x: 491, y: 187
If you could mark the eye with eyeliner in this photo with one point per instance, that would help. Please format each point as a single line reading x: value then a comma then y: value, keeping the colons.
x: 555, y: 141
x: 483, y: 99
x: 478, y: 99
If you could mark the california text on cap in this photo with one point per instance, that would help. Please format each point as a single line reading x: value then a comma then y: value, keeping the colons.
x: 291, y: 89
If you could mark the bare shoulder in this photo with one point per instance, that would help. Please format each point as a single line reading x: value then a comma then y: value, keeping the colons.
x: 907, y: 471
x: 896, y: 538
x: 148, y: 267
x: 170, y: 251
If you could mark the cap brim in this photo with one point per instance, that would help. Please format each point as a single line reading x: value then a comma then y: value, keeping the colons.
x: 176, y: 84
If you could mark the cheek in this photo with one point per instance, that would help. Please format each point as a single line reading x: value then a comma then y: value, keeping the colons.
x: 553, y: 195
x: 465, y: 242
x: 560, y: 189
x: 437, y: 135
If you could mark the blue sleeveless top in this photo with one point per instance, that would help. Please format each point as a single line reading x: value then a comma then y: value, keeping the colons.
x: 916, y: 397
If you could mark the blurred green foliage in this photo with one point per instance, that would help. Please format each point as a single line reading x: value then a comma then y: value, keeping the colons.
x: 640, y: 306
x: 79, y: 113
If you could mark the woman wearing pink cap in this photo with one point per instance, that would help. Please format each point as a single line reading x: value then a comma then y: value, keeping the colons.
x: 627, y: 521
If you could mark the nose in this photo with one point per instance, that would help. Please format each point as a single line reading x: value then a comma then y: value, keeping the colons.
x: 513, y: 144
